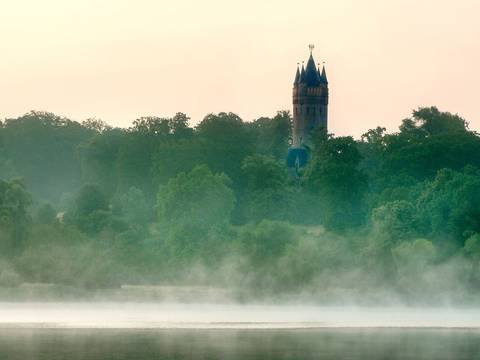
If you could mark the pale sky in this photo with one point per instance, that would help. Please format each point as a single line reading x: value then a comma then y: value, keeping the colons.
x: 118, y: 60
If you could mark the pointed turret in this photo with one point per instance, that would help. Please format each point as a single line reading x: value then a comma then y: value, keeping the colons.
x: 297, y: 77
x: 302, y: 75
x: 311, y: 76
x: 324, y: 75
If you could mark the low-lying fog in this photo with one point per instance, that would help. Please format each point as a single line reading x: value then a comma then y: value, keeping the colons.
x: 175, y: 315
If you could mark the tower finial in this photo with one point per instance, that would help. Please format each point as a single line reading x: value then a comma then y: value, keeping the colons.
x: 311, y: 47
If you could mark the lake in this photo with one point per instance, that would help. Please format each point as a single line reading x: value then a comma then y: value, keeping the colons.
x: 301, y: 344
x: 140, y: 331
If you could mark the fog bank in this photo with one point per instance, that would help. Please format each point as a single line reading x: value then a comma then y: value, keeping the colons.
x: 228, y: 316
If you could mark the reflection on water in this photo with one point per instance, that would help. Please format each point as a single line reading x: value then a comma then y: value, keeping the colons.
x: 131, y: 344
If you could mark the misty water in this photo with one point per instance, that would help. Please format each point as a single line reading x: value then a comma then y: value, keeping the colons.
x: 142, y: 344
x: 50, y: 331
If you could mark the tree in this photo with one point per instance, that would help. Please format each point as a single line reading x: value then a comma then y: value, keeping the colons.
x: 472, y: 250
x: 422, y: 158
x: 395, y: 220
x: 46, y: 214
x: 91, y: 212
x: 263, y: 172
x: 266, y: 191
x: 198, y: 197
x: 194, y: 209
x: 427, y: 142
x: 135, y: 208
x: 97, y: 125
x: 413, y: 260
x: 100, y: 159
x: 226, y: 142
x: 450, y: 204
x: 43, y: 148
x: 179, y: 126
x: 152, y: 126
x: 435, y: 122
x: 273, y: 135
x: 176, y: 156
x: 14, y: 218
x: 266, y: 241
x: 334, y: 177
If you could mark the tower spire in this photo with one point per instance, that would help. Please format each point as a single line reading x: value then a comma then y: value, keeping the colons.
x: 297, y: 76
x: 324, y: 74
x: 302, y: 74
x: 311, y: 72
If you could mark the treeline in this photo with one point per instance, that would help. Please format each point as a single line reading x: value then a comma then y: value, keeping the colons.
x: 163, y: 202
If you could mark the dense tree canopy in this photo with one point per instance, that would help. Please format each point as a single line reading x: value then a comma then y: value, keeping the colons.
x: 143, y: 204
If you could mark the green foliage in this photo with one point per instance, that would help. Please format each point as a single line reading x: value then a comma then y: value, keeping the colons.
x: 265, y: 241
x: 272, y: 135
x: 267, y: 191
x: 226, y: 141
x: 100, y: 159
x: 91, y: 212
x: 472, y: 250
x: 62, y: 255
x: 46, y: 214
x: 8, y: 276
x: 414, y: 256
x: 173, y: 157
x: 333, y: 175
x: 134, y: 208
x: 397, y: 219
x: 263, y: 172
x: 89, y: 199
x: 96, y: 125
x: 451, y: 203
x: 199, y: 198
x: 414, y: 260
x: 14, y: 217
x: 43, y: 149
x: 472, y: 247
x: 435, y: 122
x: 396, y: 213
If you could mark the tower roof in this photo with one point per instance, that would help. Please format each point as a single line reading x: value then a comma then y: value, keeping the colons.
x: 302, y: 75
x: 324, y: 75
x: 297, y: 76
x: 311, y: 77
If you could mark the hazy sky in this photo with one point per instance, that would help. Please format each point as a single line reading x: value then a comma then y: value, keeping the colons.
x: 118, y: 59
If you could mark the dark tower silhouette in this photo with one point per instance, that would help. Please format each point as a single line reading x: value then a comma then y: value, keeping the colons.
x: 310, y: 109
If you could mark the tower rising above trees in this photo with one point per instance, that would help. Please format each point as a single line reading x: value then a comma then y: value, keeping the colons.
x: 310, y: 109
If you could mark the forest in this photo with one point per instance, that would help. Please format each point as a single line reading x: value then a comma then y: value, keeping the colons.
x: 387, y: 216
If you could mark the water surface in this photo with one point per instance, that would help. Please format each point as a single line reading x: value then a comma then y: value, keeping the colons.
x: 135, y: 344
x: 141, y: 331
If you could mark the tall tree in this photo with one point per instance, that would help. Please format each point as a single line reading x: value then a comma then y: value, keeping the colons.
x: 14, y: 218
x: 334, y: 176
